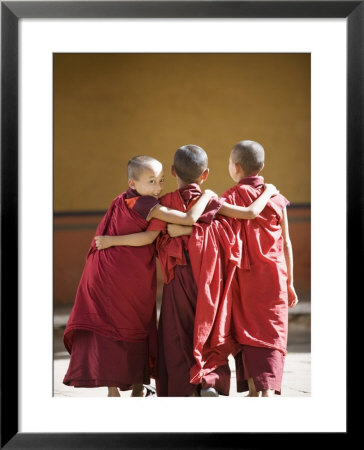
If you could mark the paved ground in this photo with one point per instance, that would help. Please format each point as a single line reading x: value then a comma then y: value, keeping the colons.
x: 296, y: 377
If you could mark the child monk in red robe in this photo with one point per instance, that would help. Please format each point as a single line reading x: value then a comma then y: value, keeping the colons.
x: 263, y: 287
x: 112, y: 325
x: 194, y: 322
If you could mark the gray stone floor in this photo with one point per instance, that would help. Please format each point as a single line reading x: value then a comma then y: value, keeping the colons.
x: 296, y: 378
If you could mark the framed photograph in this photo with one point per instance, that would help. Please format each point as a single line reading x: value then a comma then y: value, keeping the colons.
x: 41, y: 41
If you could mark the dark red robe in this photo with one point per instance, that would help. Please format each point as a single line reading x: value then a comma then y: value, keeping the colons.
x: 194, y: 328
x: 113, y: 320
x: 260, y: 305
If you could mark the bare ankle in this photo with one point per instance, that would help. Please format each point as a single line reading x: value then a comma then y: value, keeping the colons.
x: 252, y: 391
x: 254, y: 394
x: 113, y: 391
x: 138, y: 390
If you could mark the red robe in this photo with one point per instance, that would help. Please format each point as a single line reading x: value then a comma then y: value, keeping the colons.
x: 260, y: 306
x: 214, y: 251
x: 117, y: 291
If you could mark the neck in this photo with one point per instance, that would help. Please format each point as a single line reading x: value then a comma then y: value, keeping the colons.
x: 249, y: 175
x: 182, y: 184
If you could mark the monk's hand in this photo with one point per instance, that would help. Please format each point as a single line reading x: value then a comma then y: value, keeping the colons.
x: 102, y: 242
x: 292, y: 296
x: 175, y: 230
x: 271, y: 189
x: 210, y: 193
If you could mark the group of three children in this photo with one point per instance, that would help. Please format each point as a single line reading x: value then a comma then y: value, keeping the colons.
x: 228, y: 281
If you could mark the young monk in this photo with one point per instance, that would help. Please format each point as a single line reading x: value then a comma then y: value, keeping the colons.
x: 197, y: 273
x: 111, y: 332
x: 263, y: 287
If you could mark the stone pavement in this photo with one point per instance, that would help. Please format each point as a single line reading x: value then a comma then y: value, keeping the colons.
x: 296, y: 377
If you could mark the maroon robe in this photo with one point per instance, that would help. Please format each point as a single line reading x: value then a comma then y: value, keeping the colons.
x: 194, y: 324
x: 260, y: 306
x: 111, y: 332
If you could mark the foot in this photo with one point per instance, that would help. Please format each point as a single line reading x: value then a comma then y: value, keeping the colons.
x: 139, y: 390
x: 209, y: 392
x: 267, y: 393
x: 252, y: 391
x: 113, y: 391
x: 253, y: 394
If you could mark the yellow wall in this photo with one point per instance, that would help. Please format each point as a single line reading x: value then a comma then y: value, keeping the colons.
x: 110, y: 107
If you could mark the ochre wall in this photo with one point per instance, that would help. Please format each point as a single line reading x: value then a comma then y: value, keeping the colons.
x: 110, y: 107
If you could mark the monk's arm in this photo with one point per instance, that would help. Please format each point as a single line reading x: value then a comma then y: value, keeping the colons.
x: 162, y: 213
x: 238, y: 212
x: 292, y: 296
x: 175, y: 230
x: 183, y: 218
x: 253, y: 210
x: 133, y: 240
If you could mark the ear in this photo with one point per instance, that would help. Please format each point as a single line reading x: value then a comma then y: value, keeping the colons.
x: 239, y: 171
x: 262, y: 168
x: 173, y: 172
x: 204, y: 175
x: 237, y: 168
x: 131, y: 184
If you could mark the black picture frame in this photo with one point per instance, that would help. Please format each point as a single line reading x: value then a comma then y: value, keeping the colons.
x: 11, y: 13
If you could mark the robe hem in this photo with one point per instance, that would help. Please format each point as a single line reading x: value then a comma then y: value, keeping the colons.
x: 242, y: 386
x: 102, y: 383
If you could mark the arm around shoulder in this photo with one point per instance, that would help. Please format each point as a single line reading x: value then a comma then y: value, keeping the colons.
x: 179, y: 217
x: 175, y: 230
x: 252, y: 211
x: 132, y: 240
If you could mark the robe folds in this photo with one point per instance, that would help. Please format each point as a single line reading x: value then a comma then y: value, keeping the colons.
x: 116, y: 295
x: 260, y: 301
x: 264, y: 365
x: 212, y: 251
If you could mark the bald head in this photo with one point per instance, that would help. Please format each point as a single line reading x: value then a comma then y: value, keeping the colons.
x: 249, y: 155
x: 190, y: 161
x: 138, y: 164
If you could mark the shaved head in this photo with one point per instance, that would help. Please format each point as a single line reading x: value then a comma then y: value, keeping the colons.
x: 190, y: 161
x: 249, y: 155
x: 139, y: 163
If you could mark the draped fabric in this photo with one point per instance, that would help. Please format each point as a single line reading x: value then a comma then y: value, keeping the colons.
x: 116, y: 295
x: 260, y: 303
x: 214, y: 250
x: 264, y: 365
x: 98, y: 361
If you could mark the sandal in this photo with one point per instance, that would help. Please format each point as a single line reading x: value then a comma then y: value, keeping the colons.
x: 151, y: 391
x: 209, y: 392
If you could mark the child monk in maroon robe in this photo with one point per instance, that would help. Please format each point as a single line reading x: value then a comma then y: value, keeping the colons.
x: 111, y: 332
x: 263, y: 285
x: 194, y: 325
